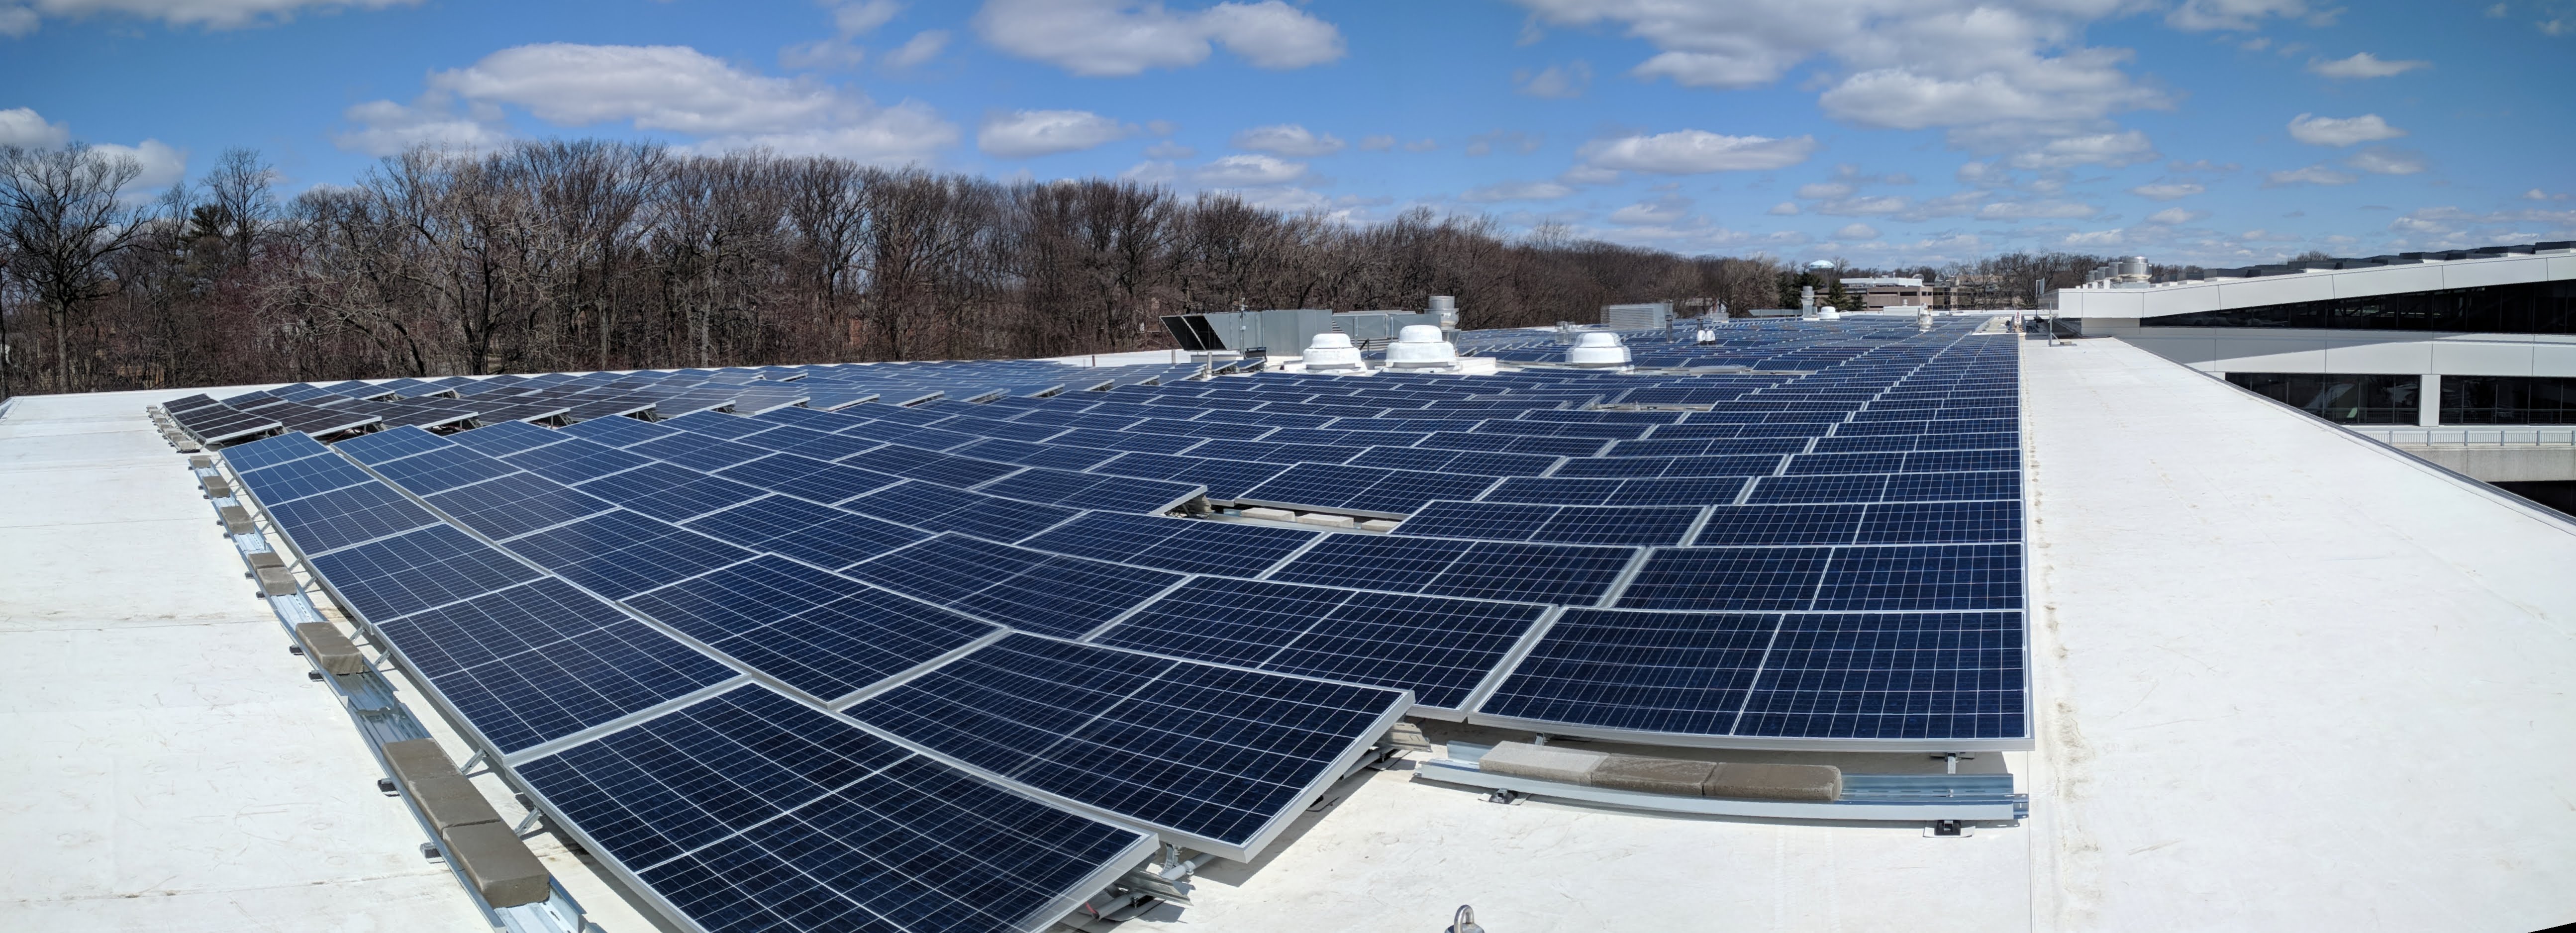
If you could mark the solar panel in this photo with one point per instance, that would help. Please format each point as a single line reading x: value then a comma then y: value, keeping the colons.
x: 826, y: 638
x: 391, y: 444
x: 915, y: 463
x: 1224, y: 480
x: 697, y: 452
x: 542, y: 660
x: 1178, y: 544
x: 808, y: 478
x: 619, y: 432
x: 1555, y: 573
x: 749, y: 812
x: 516, y: 504
x: 295, y: 479
x: 819, y: 535
x: 1891, y: 676
x: 618, y: 554
x: 1218, y: 754
x: 1078, y: 490
x: 1557, y: 524
x: 820, y: 445
x: 1363, y: 490
x: 503, y: 439
x: 716, y: 424
x: 932, y: 507
x: 574, y: 460
x: 670, y: 493
x: 1025, y: 589
x: 1680, y: 673
x: 440, y: 469
x: 386, y: 579
x: 342, y: 517
x: 1437, y: 647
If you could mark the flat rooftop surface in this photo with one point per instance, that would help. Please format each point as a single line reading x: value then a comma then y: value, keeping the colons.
x: 2287, y: 679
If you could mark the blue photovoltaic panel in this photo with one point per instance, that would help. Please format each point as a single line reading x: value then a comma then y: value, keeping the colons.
x: 1216, y: 753
x: 915, y: 463
x: 1367, y: 490
x: 620, y: 553
x: 1553, y: 573
x: 1781, y: 524
x: 1891, y: 676
x: 1181, y: 544
x: 1942, y: 522
x: 441, y: 469
x: 820, y: 445
x: 1518, y: 444
x: 1224, y: 480
x: 1675, y: 672
x: 1077, y: 490
x: 1479, y: 463
x: 1554, y: 524
x: 296, y: 479
x: 1668, y: 467
x: 272, y: 451
x: 397, y: 576
x: 575, y: 460
x: 344, y: 517
x: 717, y: 424
x: 809, y: 479
x: 670, y: 493
x: 542, y: 660
x: 1549, y: 490
x: 1928, y: 577
x: 699, y: 452
x: 749, y: 812
x: 1030, y: 590
x: 1727, y: 579
x: 932, y: 507
x: 1037, y: 455
x: 390, y: 444
x: 505, y: 438
x: 819, y: 535
x: 1437, y: 647
x: 516, y: 504
x: 827, y: 638
x: 619, y: 431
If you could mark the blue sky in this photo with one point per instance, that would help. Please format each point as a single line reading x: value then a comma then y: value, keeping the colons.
x: 1880, y: 131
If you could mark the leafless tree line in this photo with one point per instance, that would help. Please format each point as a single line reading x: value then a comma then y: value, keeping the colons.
x: 590, y: 254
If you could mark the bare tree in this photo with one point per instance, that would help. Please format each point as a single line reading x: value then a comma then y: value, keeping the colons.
x: 59, y: 211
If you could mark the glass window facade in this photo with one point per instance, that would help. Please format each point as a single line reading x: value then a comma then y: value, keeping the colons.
x: 2349, y: 399
x: 2508, y: 400
x: 2527, y: 308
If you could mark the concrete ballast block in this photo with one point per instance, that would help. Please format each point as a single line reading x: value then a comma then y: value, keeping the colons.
x: 333, y: 651
x: 1378, y: 524
x: 237, y: 520
x: 414, y: 759
x: 1775, y: 782
x: 1328, y: 521
x: 1521, y: 759
x: 1276, y: 515
x: 1652, y: 775
x: 450, y: 801
x: 499, y: 865
x: 275, y: 581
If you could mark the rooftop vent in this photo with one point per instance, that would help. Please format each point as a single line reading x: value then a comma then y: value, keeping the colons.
x: 1332, y: 352
x: 1597, y: 350
x: 1420, y: 346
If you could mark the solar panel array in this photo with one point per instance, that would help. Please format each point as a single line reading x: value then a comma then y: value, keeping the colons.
x: 723, y: 642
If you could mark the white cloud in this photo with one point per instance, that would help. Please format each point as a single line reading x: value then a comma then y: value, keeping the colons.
x: 1997, y: 73
x: 2037, y: 210
x: 1690, y: 152
x: 2201, y: 15
x: 162, y: 166
x: 1824, y: 189
x: 22, y: 127
x: 1483, y: 144
x: 1424, y: 144
x: 2364, y: 65
x: 864, y: 16
x: 1665, y: 211
x: 1025, y: 133
x: 2107, y: 149
x: 2536, y: 194
x: 672, y: 88
x: 1783, y: 209
x: 1168, y: 149
x: 2312, y: 175
x: 1121, y: 37
x: 1886, y: 205
x: 1556, y: 82
x: 1516, y: 191
x: 2172, y: 216
x: 1856, y: 232
x: 1376, y: 143
x: 2386, y: 161
x: 821, y: 53
x: 2095, y: 238
x: 1249, y: 170
x: 19, y: 19
x: 1156, y: 172
x: 2329, y: 131
x: 2168, y: 191
x: 1287, y: 139
x: 922, y: 47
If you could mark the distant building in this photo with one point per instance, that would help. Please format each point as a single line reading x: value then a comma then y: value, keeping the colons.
x: 1878, y: 294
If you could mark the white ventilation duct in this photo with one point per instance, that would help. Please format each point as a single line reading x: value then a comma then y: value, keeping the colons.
x: 1419, y: 346
x: 1597, y: 349
x: 1827, y: 313
x: 1332, y: 352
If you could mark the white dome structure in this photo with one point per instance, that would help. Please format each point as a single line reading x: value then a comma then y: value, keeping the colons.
x: 1332, y: 352
x: 1419, y: 346
x: 1827, y: 313
x: 1597, y: 350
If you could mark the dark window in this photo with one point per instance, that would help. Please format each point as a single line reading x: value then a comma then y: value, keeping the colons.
x: 2508, y: 400
x: 2349, y: 399
x: 2527, y: 308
